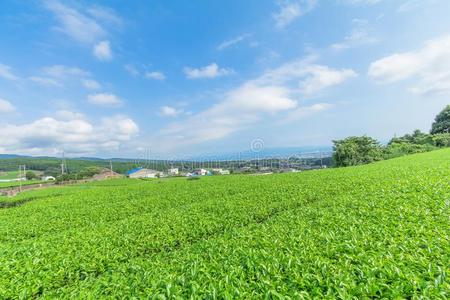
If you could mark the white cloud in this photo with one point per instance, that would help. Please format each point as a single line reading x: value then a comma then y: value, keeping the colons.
x: 241, y: 108
x: 61, y: 71
x: 309, y: 77
x: 360, y: 2
x: 74, y: 23
x: 169, y: 111
x: 274, y: 92
x: 104, y: 14
x: 252, y: 97
x: 410, y: 5
x: 209, y: 71
x: 359, y: 35
x: 155, y: 75
x: 289, y: 10
x: 429, y: 65
x: 71, y: 132
x: 91, y: 84
x: 45, y: 81
x: 104, y: 99
x: 232, y: 42
x: 305, y: 111
x: 60, y: 75
x: 132, y: 70
x: 102, y: 50
x: 67, y: 115
x: 321, y: 77
x: 6, y: 73
x: 6, y: 107
x: 87, y: 25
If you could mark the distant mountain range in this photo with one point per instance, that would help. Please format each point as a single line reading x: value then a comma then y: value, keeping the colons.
x: 284, y: 152
x: 280, y: 152
x: 11, y: 156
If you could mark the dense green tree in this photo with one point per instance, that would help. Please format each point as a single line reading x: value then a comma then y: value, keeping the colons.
x: 442, y: 122
x: 417, y: 137
x: 88, y: 172
x: 356, y: 151
x: 400, y: 148
x: 441, y: 139
x: 30, y: 175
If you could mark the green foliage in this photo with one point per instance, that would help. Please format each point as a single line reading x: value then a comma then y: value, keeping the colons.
x: 349, y: 152
x: 441, y: 139
x: 399, y: 148
x: 356, y: 150
x: 376, y: 231
x: 442, y: 122
x: 89, y: 172
x: 30, y: 175
x: 418, y: 137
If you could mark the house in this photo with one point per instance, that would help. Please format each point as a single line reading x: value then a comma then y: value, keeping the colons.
x: 220, y: 171
x: 142, y: 173
x: 173, y: 171
x: 201, y: 172
x: 48, y: 178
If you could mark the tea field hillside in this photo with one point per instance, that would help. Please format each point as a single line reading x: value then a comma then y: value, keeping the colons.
x: 375, y: 231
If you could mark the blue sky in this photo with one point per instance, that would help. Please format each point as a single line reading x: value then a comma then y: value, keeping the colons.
x: 110, y: 78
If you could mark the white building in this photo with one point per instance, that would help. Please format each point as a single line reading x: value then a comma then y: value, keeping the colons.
x: 173, y: 171
x: 200, y: 172
x: 143, y: 173
x: 221, y: 171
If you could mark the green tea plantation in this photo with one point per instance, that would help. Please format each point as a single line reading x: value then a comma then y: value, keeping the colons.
x: 375, y: 231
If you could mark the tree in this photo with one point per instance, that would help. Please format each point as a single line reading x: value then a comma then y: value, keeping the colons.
x: 442, y: 122
x: 442, y: 139
x: 417, y: 137
x: 30, y: 175
x: 89, y: 172
x: 400, y: 148
x: 356, y: 151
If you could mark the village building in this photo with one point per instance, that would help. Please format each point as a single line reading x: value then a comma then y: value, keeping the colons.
x: 173, y: 171
x: 220, y: 171
x: 142, y: 173
x: 201, y: 172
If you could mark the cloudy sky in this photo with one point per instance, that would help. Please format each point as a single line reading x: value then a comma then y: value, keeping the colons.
x: 111, y: 79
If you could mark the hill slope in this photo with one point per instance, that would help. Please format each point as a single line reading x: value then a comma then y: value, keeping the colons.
x: 380, y: 230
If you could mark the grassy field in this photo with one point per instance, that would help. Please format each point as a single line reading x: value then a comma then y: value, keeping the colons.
x: 13, y: 175
x: 374, y: 231
x: 9, y: 175
x: 17, y: 183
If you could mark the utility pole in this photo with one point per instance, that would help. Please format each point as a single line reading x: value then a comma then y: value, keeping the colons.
x: 20, y: 178
x: 63, y: 164
x: 110, y: 167
x: 22, y: 168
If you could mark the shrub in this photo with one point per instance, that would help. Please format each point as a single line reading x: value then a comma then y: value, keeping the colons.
x: 441, y: 140
x: 400, y: 148
x: 30, y: 175
x: 356, y: 151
